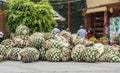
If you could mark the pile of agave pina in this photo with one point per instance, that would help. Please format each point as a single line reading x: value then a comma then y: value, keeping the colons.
x: 55, y: 48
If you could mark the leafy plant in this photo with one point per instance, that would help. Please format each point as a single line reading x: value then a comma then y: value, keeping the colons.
x: 93, y: 39
x: 37, y: 16
x: 116, y: 38
x: 104, y: 38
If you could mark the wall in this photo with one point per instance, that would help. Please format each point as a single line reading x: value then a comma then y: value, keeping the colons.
x: 94, y: 3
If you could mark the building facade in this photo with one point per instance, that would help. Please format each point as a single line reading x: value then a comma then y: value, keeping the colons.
x: 98, y: 13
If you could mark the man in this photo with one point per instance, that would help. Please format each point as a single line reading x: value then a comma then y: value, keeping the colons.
x: 82, y: 32
x: 68, y: 30
x: 55, y: 30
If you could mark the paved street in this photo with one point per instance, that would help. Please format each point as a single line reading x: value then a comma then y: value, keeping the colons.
x: 59, y: 67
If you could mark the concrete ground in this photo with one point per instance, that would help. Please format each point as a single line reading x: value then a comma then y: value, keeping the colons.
x: 59, y: 67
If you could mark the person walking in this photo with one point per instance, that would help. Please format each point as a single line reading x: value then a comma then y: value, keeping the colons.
x: 55, y: 30
x: 82, y: 33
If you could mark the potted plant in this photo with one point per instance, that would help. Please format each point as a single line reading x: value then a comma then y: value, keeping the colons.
x: 115, y: 40
x: 104, y: 40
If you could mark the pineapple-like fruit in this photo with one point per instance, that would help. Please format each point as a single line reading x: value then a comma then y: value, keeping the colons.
x: 61, y: 38
x: 74, y: 36
x: 42, y: 51
x: 90, y: 54
x: 3, y: 51
x: 110, y: 54
x: 76, y: 53
x: 66, y: 54
x: 53, y: 55
x: 1, y: 58
x: 38, y: 34
x: 13, y: 53
x: 63, y: 41
x: 28, y: 54
x: 116, y: 47
x: 109, y: 49
x: 109, y: 57
x: 22, y: 30
x: 7, y: 42
x: 21, y: 41
x: 88, y: 43
x: 78, y: 40
x: 36, y: 41
x: 49, y: 36
x: 51, y: 43
x: 100, y: 47
x: 67, y: 35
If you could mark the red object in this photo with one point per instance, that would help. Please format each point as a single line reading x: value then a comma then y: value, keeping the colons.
x: 89, y: 35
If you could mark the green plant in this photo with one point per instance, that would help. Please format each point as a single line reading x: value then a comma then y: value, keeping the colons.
x: 104, y: 38
x: 116, y: 38
x: 36, y: 16
x: 93, y: 39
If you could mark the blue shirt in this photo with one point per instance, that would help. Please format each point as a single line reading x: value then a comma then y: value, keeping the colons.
x: 55, y: 31
x: 82, y: 33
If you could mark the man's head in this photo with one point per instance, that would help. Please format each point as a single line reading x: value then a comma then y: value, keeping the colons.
x: 81, y: 26
x: 67, y: 29
x: 56, y: 26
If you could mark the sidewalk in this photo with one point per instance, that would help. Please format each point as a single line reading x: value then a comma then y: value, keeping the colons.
x: 59, y: 67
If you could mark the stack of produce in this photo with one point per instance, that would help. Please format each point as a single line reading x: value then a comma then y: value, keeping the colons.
x: 62, y: 47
